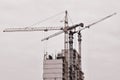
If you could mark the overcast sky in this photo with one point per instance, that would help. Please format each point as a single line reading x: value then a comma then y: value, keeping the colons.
x: 21, y: 54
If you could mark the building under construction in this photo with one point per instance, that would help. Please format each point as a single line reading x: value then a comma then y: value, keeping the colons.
x: 67, y: 64
x: 57, y: 68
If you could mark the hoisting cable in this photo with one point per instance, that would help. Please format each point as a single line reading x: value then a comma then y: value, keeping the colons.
x: 46, y: 19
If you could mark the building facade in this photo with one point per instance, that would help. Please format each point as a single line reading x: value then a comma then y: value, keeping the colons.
x: 58, y: 68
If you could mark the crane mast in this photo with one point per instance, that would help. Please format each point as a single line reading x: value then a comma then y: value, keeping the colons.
x: 66, y: 34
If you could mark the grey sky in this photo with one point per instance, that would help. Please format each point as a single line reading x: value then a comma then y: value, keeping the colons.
x: 21, y: 54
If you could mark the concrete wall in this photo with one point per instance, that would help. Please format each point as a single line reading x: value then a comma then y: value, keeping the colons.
x: 53, y: 69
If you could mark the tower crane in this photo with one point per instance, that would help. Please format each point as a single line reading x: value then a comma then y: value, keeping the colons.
x: 64, y: 29
x: 88, y: 26
x: 68, y: 38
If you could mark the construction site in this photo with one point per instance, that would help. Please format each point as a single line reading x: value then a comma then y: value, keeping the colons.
x: 66, y: 65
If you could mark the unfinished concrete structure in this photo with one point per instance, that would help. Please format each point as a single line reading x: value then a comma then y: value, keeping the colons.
x: 58, y: 68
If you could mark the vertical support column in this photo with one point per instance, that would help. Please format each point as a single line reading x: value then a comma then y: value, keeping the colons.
x: 66, y: 43
x: 66, y: 32
x: 70, y: 55
x: 79, y: 49
x: 79, y: 45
